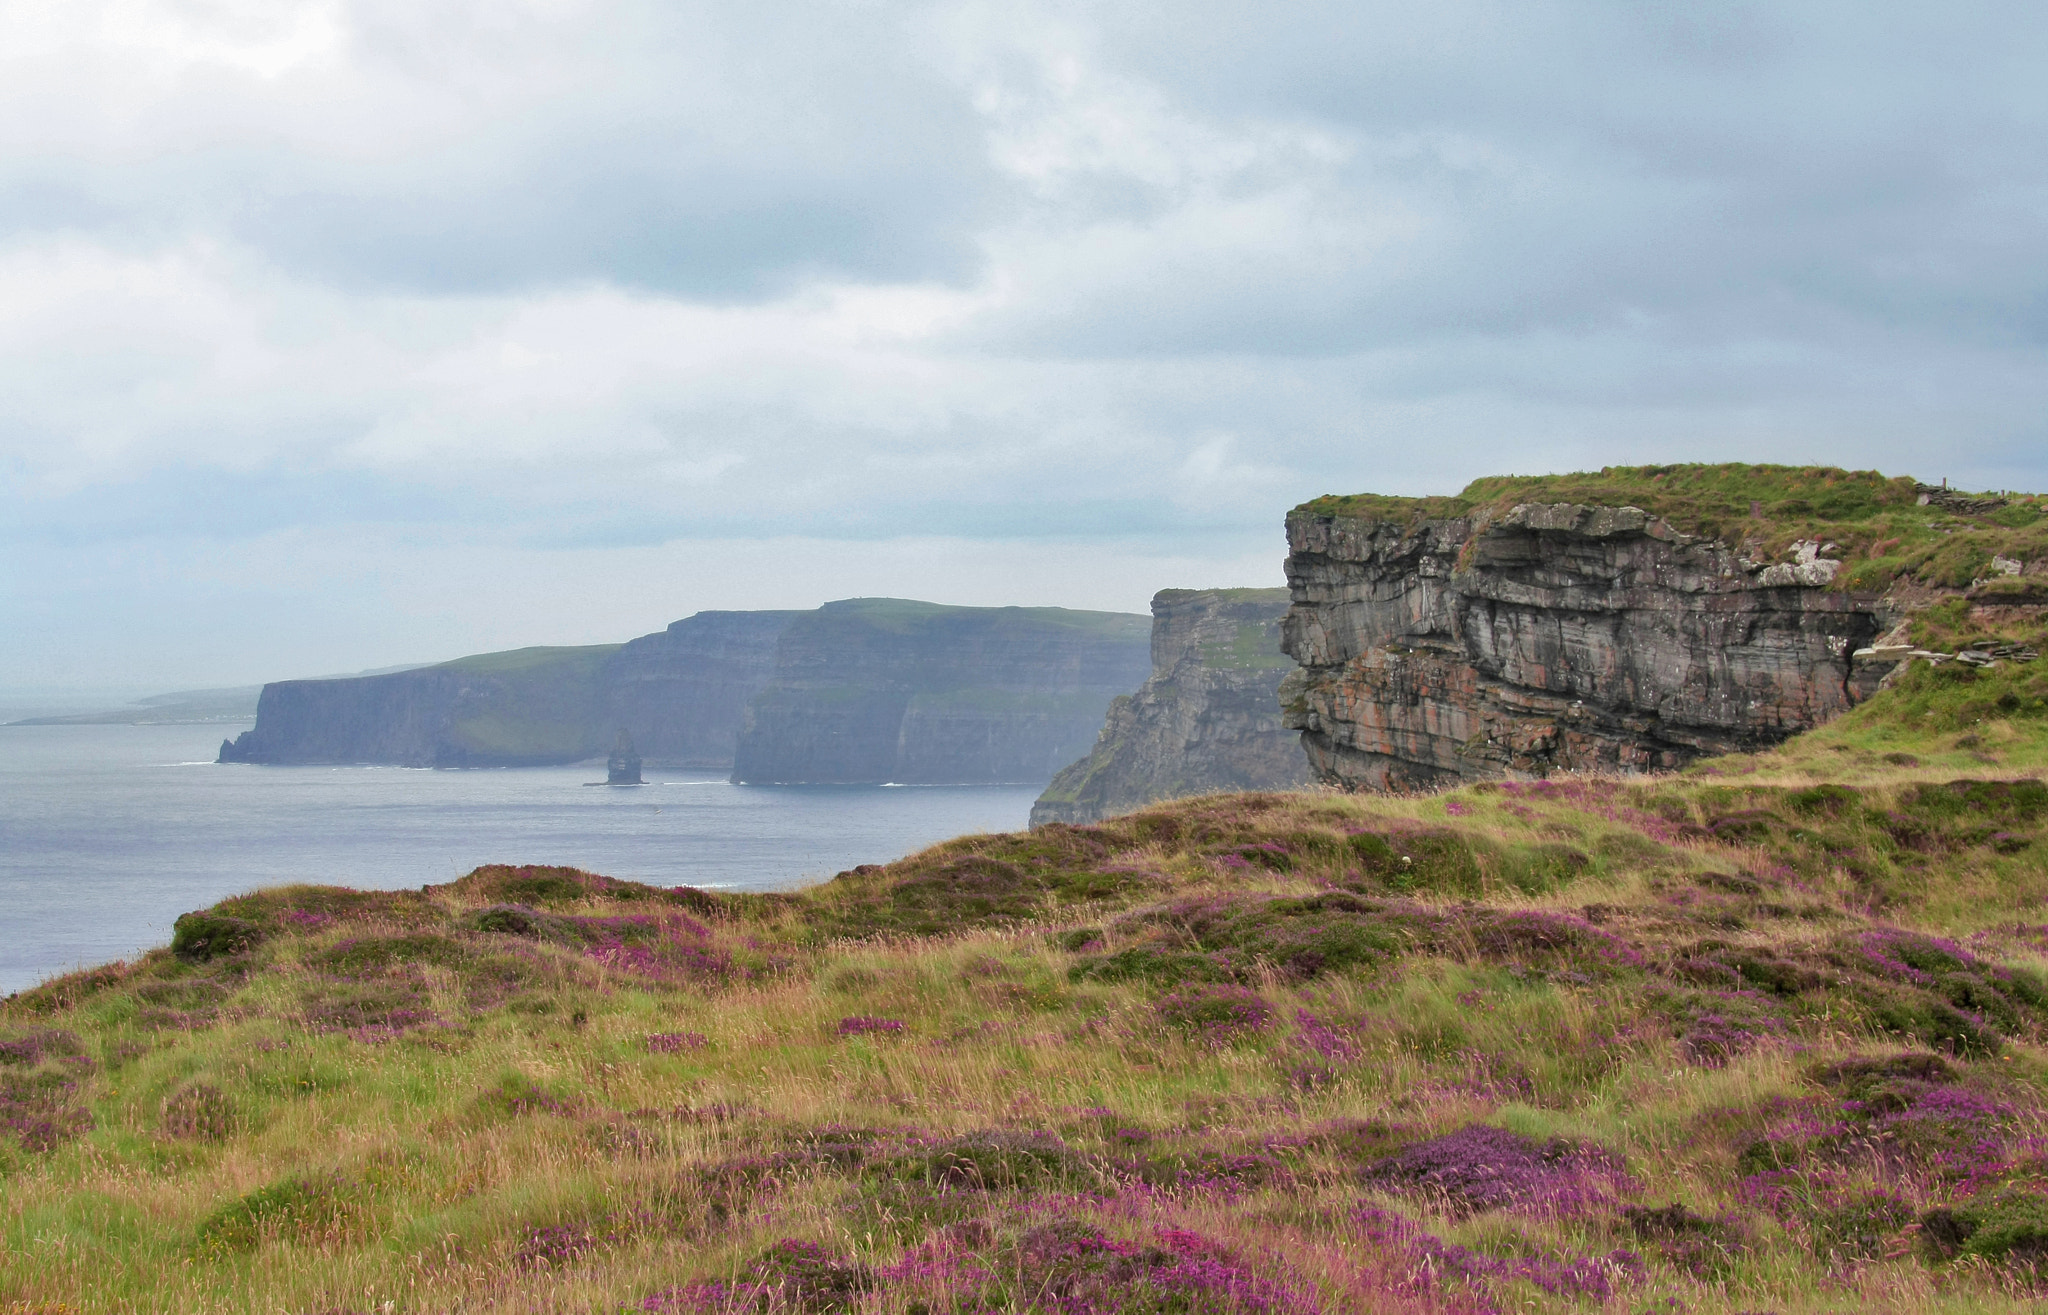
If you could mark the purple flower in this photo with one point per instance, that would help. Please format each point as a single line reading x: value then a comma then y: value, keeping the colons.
x: 1481, y: 1167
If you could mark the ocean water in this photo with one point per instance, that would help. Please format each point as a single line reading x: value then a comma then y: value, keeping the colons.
x: 108, y: 833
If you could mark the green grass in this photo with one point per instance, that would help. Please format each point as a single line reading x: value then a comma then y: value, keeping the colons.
x: 1184, y: 1061
x: 1879, y: 531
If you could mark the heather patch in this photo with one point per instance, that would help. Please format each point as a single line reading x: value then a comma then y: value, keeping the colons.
x: 1215, y: 1015
x: 545, y: 887
x: 1424, y: 1265
x: 1068, y: 1264
x: 32, y: 1048
x: 1921, y: 988
x: 368, y: 956
x: 1861, y: 1225
x: 1481, y: 1167
x: 1717, y: 1030
x: 516, y: 1094
x: 671, y: 949
x: 1706, y: 1247
x: 1234, y: 937
x: 979, y: 881
x: 995, y: 1160
x: 303, y: 909
x: 198, y: 1111
x: 1225, y: 938
x: 369, y: 1010
x: 1891, y: 1114
x: 792, y: 1275
x: 42, y: 1108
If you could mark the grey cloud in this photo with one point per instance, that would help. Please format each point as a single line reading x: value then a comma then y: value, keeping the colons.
x: 1567, y: 166
x: 1085, y: 284
x: 702, y: 149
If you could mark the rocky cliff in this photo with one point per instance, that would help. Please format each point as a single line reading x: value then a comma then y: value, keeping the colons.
x: 1206, y: 720
x: 679, y: 693
x: 874, y: 690
x: 682, y: 693
x: 1548, y: 636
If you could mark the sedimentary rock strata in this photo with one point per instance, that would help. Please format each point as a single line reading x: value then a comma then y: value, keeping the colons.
x: 1206, y: 720
x: 1553, y: 636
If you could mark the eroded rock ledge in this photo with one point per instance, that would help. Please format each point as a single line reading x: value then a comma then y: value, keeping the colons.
x: 1553, y: 636
x: 1205, y: 721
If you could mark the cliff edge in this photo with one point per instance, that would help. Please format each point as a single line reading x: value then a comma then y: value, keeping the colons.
x: 1632, y: 619
x: 1206, y: 720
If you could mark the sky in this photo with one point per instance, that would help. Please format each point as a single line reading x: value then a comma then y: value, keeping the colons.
x: 344, y: 333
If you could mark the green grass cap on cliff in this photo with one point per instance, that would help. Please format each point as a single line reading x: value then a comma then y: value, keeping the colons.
x: 1875, y: 524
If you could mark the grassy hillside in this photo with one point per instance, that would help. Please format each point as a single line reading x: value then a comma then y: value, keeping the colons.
x: 1769, y: 1035
x: 1878, y: 530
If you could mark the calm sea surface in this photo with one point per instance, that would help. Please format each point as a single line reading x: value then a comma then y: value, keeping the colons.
x: 108, y: 833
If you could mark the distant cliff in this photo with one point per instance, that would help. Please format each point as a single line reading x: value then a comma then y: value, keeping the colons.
x: 866, y: 690
x: 679, y: 693
x: 1206, y: 720
x: 874, y: 690
x: 682, y: 693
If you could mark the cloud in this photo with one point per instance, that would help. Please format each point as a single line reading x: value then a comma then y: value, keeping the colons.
x: 578, y: 282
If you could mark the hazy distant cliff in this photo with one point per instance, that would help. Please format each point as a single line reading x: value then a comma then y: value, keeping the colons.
x: 680, y: 693
x: 1206, y: 720
x: 882, y: 689
x: 866, y: 690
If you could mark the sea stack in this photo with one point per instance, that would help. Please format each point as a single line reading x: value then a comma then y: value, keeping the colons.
x: 623, y: 767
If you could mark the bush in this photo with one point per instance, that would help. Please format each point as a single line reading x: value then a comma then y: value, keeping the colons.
x: 1215, y: 1015
x: 198, y: 1112
x: 1481, y: 1167
x: 203, y: 936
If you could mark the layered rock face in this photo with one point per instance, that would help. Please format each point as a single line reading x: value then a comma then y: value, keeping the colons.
x: 1552, y: 637
x: 1206, y: 720
x: 877, y: 690
x: 679, y: 694
x: 682, y: 693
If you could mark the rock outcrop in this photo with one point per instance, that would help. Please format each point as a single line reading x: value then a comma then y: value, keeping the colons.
x: 679, y: 693
x: 1436, y: 648
x: 1206, y: 720
x: 879, y: 690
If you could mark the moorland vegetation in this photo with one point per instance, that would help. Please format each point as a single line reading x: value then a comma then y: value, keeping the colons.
x: 1769, y: 1034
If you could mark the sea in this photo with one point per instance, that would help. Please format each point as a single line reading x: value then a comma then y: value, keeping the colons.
x: 108, y: 833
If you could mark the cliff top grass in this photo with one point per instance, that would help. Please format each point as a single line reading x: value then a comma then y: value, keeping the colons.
x: 1729, y: 1040
x: 907, y: 616
x: 1874, y: 523
x: 1277, y: 595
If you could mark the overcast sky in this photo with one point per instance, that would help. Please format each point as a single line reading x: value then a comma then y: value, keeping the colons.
x: 340, y: 333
